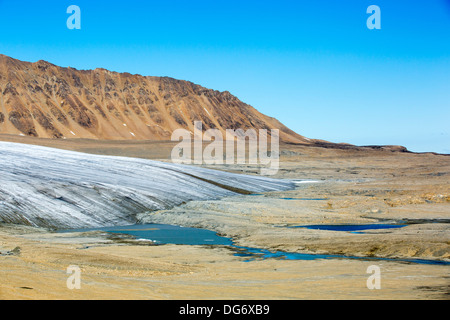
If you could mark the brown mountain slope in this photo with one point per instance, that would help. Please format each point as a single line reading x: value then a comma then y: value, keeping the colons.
x: 43, y: 100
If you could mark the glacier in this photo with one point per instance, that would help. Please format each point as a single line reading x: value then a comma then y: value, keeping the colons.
x: 54, y: 188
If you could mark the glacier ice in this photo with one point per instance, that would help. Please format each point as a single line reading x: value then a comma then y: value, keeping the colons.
x: 54, y: 188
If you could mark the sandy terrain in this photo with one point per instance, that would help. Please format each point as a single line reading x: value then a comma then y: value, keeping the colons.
x: 359, y: 187
x: 178, y: 272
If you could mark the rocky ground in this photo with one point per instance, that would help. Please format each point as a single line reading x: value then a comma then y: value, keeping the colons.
x: 355, y: 186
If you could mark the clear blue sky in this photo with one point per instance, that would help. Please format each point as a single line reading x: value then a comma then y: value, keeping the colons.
x: 314, y: 65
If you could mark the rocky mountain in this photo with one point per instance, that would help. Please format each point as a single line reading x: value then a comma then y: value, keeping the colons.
x: 43, y: 100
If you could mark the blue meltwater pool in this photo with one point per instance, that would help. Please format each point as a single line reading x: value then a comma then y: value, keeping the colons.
x: 161, y: 234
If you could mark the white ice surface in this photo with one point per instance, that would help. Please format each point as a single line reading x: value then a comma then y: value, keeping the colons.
x: 56, y: 188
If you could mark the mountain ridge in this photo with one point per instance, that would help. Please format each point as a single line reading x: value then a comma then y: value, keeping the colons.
x: 41, y: 99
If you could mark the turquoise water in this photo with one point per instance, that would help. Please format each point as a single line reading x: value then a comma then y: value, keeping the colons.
x: 166, y: 234
x: 255, y: 253
x: 351, y: 227
x: 170, y: 234
x: 306, y: 199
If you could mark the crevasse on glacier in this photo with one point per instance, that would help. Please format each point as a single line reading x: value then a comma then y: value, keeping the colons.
x: 55, y: 188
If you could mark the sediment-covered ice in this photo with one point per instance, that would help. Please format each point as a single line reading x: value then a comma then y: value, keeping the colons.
x: 56, y: 188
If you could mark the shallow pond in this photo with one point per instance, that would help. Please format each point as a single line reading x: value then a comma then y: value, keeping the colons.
x: 351, y: 227
x: 166, y: 234
x: 306, y: 199
x: 170, y: 234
